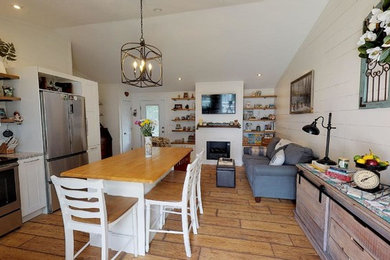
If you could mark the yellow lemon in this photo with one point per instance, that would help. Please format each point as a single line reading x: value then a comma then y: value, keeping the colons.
x: 368, y: 157
x: 361, y: 161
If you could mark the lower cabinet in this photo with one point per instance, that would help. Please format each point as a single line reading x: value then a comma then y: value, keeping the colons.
x: 311, y: 208
x: 94, y: 153
x: 32, y: 187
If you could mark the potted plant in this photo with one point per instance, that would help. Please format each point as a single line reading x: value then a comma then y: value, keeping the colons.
x: 7, y: 53
x: 147, y: 127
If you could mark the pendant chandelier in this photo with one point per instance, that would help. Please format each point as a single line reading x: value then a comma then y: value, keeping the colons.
x: 141, y: 63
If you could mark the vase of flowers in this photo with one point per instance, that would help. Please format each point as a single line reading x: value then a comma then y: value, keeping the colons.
x: 374, y: 44
x: 147, y: 127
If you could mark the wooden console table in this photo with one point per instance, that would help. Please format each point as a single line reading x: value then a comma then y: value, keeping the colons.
x: 338, y: 226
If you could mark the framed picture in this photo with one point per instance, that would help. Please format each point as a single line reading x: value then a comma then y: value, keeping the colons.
x: 2, y: 113
x: 301, y: 94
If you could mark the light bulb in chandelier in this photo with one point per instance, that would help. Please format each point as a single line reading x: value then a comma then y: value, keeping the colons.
x: 150, y: 69
x: 142, y: 65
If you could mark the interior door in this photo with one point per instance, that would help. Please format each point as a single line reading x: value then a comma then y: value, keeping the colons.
x: 126, y: 126
x: 154, y: 110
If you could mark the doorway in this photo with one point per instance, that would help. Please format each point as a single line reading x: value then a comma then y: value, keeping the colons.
x: 126, y: 126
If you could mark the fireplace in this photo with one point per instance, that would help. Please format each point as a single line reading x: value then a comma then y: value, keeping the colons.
x: 216, y: 150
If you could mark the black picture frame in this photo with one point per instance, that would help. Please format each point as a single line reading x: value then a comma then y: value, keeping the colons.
x: 301, y: 94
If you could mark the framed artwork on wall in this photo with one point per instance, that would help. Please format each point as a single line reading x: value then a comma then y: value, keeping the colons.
x: 301, y: 94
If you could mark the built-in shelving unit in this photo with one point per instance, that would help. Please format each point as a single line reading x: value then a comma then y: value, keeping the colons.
x: 185, y: 122
x: 4, y: 98
x: 218, y: 126
x: 257, y: 123
x: 5, y: 76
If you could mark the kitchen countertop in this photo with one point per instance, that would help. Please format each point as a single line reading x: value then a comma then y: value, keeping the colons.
x: 22, y: 155
x: 132, y: 166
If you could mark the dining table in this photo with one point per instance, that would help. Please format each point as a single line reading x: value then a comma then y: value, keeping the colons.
x: 131, y: 174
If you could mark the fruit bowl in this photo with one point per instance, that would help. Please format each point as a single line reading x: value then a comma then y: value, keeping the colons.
x: 371, y: 167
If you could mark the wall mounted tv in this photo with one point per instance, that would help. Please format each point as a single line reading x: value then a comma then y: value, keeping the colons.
x: 219, y: 104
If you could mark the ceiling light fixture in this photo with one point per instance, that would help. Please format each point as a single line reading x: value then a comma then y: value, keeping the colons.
x: 157, y: 10
x: 179, y: 79
x: 141, y: 63
x: 16, y: 6
x: 259, y: 74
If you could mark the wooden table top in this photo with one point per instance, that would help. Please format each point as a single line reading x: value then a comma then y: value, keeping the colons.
x: 132, y: 166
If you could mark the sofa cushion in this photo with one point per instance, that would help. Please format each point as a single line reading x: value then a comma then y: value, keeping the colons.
x: 278, y: 158
x: 271, y: 147
x: 260, y: 160
x: 295, y: 153
x: 282, y: 143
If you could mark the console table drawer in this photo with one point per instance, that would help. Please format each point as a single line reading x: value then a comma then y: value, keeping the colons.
x: 309, y: 196
x: 335, y: 252
x: 348, y: 245
x: 362, y: 237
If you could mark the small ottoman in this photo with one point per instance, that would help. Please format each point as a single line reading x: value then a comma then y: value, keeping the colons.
x: 226, y: 173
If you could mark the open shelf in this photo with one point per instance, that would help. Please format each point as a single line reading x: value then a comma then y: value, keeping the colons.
x: 260, y: 132
x: 247, y: 145
x: 264, y: 96
x: 4, y: 98
x: 178, y: 99
x: 264, y: 108
x: 218, y: 126
x: 186, y: 120
x: 189, y: 143
x: 9, y: 121
x: 182, y: 131
x: 4, y: 76
x: 259, y: 120
x: 183, y: 109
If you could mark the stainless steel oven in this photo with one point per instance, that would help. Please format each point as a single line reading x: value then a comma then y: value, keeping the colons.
x: 10, y: 215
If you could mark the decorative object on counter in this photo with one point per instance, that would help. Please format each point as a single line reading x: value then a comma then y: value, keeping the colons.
x: 366, y: 180
x: 138, y: 62
x: 236, y: 123
x: 7, y: 53
x: 370, y: 161
x: 178, y: 127
x: 200, y: 121
x: 9, y: 145
x: 271, y: 117
x: 313, y: 129
x: 192, y: 96
x: 271, y: 106
x: 343, y: 163
x: 185, y: 95
x: 8, y: 133
x: 248, y: 105
x: 256, y: 93
x: 8, y: 91
x: 258, y: 106
x: 258, y: 128
x: 161, y: 142
x: 187, y: 106
x: 301, y: 94
x: 147, y: 127
x: 3, y: 115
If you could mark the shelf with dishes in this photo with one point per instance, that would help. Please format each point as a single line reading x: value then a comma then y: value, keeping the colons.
x: 6, y: 76
x: 10, y: 121
x: 260, y: 96
x: 183, y: 131
x: 259, y: 132
x: 183, y: 109
x: 183, y: 99
x: 183, y: 142
x: 259, y: 108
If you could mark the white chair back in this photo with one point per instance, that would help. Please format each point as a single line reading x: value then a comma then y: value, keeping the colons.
x: 189, y: 181
x: 82, y: 199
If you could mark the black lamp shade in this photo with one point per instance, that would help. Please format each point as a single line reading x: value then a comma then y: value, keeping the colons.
x: 311, y: 129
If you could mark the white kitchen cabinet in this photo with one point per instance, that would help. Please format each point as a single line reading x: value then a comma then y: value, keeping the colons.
x: 90, y: 91
x: 94, y: 154
x: 32, y: 187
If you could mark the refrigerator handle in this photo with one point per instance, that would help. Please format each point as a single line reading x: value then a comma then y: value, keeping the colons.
x: 71, y: 109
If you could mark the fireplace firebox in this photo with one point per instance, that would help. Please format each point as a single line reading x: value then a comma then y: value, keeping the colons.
x: 216, y: 150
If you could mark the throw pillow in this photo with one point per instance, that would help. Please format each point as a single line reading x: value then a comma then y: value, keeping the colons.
x: 295, y: 153
x: 271, y: 146
x: 281, y: 143
x: 278, y: 158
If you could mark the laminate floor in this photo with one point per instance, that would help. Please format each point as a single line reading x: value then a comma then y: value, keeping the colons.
x: 233, y: 226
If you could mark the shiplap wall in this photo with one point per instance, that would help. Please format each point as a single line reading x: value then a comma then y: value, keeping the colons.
x: 330, y: 49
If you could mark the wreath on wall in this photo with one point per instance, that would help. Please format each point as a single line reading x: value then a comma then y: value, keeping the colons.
x: 374, y: 44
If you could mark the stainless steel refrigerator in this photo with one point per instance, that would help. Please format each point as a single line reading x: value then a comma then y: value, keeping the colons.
x: 64, y: 136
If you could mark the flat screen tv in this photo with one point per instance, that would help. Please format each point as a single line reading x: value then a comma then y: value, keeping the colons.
x: 219, y: 104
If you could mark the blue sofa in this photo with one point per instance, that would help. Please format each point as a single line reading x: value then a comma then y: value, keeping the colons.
x: 275, y: 181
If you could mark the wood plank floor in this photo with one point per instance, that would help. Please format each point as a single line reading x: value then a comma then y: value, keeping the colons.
x: 233, y: 226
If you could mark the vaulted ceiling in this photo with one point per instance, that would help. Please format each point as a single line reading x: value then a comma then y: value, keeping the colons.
x: 201, y: 40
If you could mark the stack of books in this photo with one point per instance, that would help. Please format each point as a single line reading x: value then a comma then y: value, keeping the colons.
x: 320, y: 167
x: 340, y: 173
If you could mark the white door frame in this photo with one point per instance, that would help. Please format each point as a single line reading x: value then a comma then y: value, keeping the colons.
x: 120, y: 124
x: 161, y: 104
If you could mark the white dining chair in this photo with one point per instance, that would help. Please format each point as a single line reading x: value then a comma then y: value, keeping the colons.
x: 197, y: 193
x: 86, y: 208
x: 171, y: 196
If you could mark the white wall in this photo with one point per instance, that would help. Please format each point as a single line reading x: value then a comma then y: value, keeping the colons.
x: 331, y: 50
x: 37, y: 46
x: 232, y: 135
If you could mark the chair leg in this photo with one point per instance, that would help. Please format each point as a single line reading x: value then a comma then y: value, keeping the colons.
x: 258, y: 199
x: 135, y: 230
x: 104, y: 255
x: 193, y: 214
x: 69, y: 244
x: 147, y: 224
x: 186, y: 236
x: 199, y: 195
